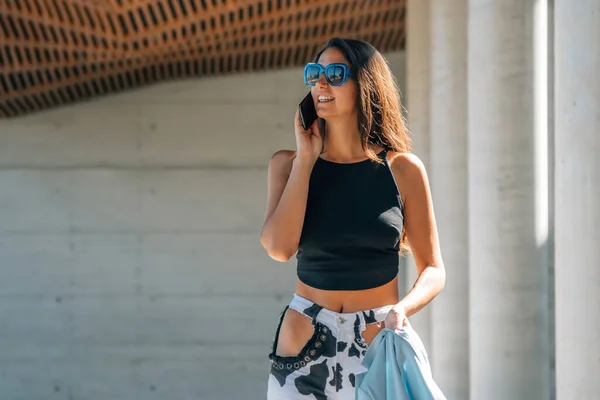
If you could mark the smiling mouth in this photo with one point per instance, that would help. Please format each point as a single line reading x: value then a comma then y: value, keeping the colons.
x: 325, y: 99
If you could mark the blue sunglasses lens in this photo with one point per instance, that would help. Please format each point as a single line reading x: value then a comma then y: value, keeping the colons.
x: 312, y: 74
x: 335, y: 74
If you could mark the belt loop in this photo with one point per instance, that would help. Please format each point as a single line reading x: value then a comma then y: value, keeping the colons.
x: 312, y: 312
x: 359, y: 324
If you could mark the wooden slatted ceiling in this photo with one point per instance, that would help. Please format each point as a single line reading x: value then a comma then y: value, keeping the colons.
x: 54, y: 52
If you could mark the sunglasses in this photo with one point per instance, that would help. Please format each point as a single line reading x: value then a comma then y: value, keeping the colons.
x: 336, y: 74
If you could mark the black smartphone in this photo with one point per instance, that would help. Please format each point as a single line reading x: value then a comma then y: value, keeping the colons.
x: 308, y: 113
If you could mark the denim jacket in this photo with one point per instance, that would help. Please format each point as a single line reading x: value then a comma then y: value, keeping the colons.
x: 398, y: 368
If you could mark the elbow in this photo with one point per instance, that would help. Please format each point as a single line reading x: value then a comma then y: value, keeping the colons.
x: 281, y: 256
x: 277, y: 251
x: 441, y: 277
x: 433, y: 277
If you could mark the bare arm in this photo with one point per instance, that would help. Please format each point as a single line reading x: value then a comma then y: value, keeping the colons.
x: 289, y: 174
x: 288, y: 179
x: 421, y: 231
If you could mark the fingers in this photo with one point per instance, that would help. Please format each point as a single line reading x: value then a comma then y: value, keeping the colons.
x: 316, y: 130
x: 390, y: 322
x: 297, y: 122
x: 315, y: 127
x: 394, y: 322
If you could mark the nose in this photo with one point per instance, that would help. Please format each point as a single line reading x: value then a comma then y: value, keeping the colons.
x: 322, y: 80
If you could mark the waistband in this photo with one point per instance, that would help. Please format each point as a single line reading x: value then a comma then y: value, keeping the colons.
x: 336, y: 319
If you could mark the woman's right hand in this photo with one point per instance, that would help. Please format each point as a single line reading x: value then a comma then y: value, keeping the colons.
x: 309, y: 143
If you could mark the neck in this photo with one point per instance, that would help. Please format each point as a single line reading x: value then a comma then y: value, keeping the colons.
x: 343, y: 141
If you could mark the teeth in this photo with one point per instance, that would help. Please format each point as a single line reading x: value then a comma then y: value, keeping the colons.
x: 325, y: 98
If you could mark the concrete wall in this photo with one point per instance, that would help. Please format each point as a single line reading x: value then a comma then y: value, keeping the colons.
x: 130, y: 262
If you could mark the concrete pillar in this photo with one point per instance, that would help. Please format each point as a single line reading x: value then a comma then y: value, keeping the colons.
x: 448, y: 171
x: 418, y: 97
x: 577, y: 196
x: 397, y: 63
x: 507, y: 297
x: 551, y: 198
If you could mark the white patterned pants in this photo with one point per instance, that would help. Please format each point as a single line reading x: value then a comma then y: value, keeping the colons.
x: 326, y: 368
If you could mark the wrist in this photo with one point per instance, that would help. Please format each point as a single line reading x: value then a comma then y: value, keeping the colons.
x: 304, y: 161
x: 402, y: 307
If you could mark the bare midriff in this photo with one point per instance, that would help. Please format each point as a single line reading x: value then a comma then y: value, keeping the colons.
x: 349, y: 301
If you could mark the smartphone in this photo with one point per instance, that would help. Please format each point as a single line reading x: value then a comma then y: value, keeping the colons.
x: 308, y: 113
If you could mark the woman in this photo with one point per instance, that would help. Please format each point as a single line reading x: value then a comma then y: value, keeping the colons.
x: 345, y: 202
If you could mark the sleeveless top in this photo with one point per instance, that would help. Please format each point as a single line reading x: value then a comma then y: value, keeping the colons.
x: 352, y: 226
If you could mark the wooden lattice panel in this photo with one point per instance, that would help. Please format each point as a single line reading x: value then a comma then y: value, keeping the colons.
x: 54, y: 52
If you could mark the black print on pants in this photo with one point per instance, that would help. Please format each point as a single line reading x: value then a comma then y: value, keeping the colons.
x: 337, y: 377
x: 314, y: 383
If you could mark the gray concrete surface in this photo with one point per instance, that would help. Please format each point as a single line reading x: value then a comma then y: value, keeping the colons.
x: 418, y: 97
x: 508, y: 272
x: 130, y: 262
x: 448, y: 176
x: 577, y: 274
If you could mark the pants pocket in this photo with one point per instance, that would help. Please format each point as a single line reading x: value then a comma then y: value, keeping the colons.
x: 320, y: 343
x: 294, y: 334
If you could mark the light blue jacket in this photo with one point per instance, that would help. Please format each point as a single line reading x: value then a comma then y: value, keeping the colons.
x: 398, y: 369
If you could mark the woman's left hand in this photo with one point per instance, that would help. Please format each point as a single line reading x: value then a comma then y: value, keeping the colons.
x: 396, y: 318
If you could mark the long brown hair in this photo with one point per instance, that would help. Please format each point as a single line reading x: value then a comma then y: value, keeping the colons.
x: 380, y: 118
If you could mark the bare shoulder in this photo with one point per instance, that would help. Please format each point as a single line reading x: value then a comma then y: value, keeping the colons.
x: 281, y: 161
x: 407, y: 168
x: 283, y: 155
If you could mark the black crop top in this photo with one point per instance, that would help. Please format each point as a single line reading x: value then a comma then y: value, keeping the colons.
x: 352, y: 227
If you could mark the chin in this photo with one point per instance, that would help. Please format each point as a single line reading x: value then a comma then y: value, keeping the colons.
x: 331, y: 115
x: 324, y: 113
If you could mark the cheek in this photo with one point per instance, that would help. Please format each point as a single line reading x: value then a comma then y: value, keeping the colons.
x: 348, y: 97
